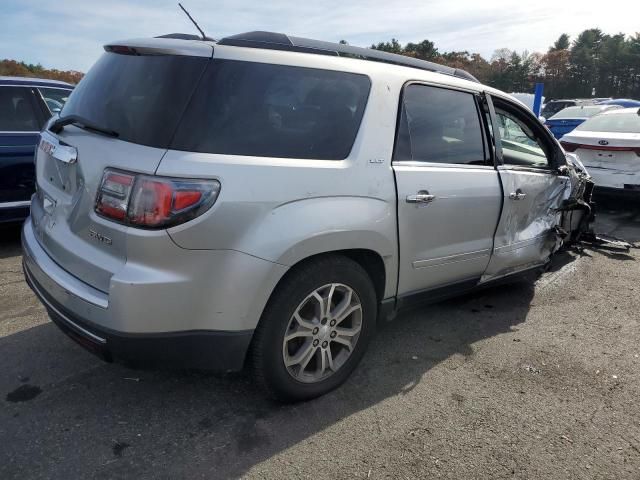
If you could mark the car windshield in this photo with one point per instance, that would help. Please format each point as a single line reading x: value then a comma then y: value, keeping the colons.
x: 577, y: 112
x: 613, y: 122
x: 140, y: 97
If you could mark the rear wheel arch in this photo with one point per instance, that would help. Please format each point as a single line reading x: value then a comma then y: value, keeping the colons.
x: 370, y: 261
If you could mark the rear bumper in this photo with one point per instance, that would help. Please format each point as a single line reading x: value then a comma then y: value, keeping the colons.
x: 82, y: 313
x: 211, y: 350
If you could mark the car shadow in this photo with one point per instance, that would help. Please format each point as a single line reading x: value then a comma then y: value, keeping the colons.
x: 120, y: 422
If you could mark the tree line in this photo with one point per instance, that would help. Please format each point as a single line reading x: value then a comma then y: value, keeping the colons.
x: 13, y: 68
x: 593, y: 64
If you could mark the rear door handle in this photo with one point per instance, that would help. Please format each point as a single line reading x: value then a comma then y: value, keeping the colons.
x: 423, y: 196
x: 517, y: 195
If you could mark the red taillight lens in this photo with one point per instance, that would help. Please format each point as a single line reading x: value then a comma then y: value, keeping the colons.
x: 182, y: 200
x: 153, y: 202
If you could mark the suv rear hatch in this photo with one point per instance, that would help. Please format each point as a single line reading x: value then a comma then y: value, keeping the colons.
x: 131, y: 102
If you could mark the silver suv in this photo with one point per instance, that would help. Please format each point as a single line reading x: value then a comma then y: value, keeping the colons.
x: 266, y: 199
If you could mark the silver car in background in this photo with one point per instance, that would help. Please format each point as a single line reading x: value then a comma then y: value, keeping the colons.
x: 210, y: 204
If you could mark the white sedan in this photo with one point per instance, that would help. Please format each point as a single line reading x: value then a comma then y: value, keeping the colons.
x: 609, y: 146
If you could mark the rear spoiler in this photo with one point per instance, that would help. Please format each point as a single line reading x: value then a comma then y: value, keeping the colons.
x: 161, y: 46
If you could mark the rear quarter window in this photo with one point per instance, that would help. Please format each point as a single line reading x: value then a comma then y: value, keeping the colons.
x: 266, y: 110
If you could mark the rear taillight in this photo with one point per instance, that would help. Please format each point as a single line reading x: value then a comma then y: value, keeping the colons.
x: 153, y: 202
x: 572, y: 147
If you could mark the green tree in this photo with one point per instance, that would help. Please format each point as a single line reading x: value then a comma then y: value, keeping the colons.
x: 562, y: 43
x: 425, y: 50
x: 392, y: 47
x: 584, y: 57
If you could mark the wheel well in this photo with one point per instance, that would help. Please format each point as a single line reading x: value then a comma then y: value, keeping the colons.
x: 369, y: 260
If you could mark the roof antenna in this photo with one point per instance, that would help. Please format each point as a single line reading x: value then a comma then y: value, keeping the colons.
x: 204, y: 37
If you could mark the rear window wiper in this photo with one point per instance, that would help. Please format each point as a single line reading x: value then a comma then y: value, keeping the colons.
x: 59, y: 124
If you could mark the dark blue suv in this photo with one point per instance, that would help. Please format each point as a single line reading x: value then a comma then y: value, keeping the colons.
x: 25, y: 105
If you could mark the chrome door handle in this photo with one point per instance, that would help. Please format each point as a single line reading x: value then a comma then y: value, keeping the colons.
x: 517, y: 195
x: 422, y: 196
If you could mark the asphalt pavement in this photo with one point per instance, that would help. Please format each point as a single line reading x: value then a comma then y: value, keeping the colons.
x: 537, y: 379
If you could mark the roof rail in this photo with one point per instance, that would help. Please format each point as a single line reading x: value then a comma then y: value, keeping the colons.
x: 280, y: 41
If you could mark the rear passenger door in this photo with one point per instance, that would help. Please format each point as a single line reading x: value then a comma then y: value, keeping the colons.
x: 534, y: 186
x: 20, y: 121
x: 449, y: 195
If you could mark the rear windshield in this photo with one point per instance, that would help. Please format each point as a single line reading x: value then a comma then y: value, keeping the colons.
x: 266, y: 110
x: 577, y: 112
x: 613, y: 122
x: 553, y: 107
x: 140, y: 97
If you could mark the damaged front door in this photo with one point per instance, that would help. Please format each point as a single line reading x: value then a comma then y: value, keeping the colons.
x: 533, y: 186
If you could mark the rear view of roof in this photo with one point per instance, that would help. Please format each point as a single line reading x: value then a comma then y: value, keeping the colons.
x: 36, y: 82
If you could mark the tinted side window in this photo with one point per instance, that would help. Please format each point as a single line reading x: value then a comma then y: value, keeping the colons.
x: 265, y: 110
x: 17, y: 112
x: 441, y: 126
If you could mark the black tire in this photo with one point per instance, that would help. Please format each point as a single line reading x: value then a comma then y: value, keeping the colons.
x: 266, y: 355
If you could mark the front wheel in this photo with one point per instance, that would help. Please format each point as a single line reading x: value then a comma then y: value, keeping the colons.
x: 315, y: 329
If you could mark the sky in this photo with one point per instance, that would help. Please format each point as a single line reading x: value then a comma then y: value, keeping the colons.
x: 69, y: 34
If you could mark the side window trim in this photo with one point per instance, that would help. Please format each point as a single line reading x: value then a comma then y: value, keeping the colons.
x: 494, y: 133
x: 399, y: 117
x: 553, y: 162
x: 41, y: 106
x: 487, y: 143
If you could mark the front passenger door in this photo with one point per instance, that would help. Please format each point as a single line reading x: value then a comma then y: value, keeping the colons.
x: 533, y: 189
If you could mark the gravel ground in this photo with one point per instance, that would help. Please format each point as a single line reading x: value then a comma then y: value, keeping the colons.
x: 529, y: 380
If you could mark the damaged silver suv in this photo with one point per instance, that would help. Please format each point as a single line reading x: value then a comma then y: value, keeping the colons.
x: 265, y: 199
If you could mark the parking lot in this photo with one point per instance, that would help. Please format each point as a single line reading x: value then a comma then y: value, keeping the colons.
x: 518, y: 381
